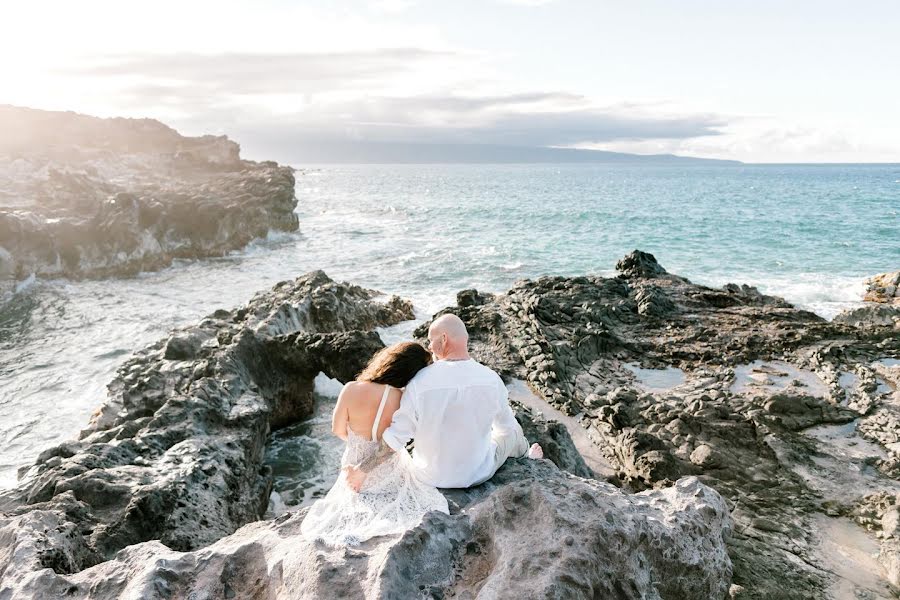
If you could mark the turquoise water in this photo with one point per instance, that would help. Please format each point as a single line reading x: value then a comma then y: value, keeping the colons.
x: 808, y: 233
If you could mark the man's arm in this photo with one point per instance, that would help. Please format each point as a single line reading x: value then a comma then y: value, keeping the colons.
x: 405, y: 421
x: 504, y: 419
x: 506, y: 425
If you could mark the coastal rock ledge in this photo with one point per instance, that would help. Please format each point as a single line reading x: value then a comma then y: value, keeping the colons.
x: 162, y: 494
x: 88, y: 197
x: 533, y: 532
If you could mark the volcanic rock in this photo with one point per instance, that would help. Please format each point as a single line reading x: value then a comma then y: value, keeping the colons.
x: 883, y: 288
x: 774, y: 407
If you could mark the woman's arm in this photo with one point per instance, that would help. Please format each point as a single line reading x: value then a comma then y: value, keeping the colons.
x: 341, y: 416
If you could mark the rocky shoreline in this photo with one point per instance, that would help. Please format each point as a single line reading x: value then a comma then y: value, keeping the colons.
x: 765, y: 402
x: 88, y: 197
x: 747, y: 443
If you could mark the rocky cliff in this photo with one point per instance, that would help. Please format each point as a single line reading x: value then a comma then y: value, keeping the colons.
x: 87, y: 197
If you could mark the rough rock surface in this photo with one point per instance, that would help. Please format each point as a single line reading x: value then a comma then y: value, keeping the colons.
x: 88, y: 197
x: 871, y: 315
x: 158, y: 496
x: 793, y: 419
x: 176, y: 453
x: 533, y: 532
x: 554, y: 439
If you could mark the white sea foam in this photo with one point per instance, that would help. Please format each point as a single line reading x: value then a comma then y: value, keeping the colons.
x: 326, y: 386
x: 825, y: 295
x: 7, y: 479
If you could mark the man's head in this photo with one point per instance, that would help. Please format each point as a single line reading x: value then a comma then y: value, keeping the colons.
x: 448, y: 338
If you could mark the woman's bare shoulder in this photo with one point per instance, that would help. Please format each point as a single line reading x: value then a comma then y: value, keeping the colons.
x: 357, y: 390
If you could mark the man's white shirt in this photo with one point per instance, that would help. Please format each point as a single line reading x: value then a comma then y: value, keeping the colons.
x: 451, y: 409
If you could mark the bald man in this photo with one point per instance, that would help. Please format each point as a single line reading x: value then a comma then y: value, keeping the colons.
x: 458, y: 412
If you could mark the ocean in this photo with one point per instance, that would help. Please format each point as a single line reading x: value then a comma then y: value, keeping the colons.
x: 810, y: 234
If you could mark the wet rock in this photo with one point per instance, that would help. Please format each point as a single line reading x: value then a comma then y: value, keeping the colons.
x: 554, y: 439
x: 184, y: 346
x: 752, y: 295
x: 89, y: 197
x: 315, y: 303
x: 800, y: 412
x: 883, y: 288
x: 639, y: 265
x: 471, y: 297
x: 879, y: 315
x: 652, y: 302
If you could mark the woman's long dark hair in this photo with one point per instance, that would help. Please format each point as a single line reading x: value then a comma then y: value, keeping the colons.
x: 396, y: 365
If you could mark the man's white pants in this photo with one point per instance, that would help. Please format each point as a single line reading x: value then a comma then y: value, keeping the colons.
x: 509, y: 444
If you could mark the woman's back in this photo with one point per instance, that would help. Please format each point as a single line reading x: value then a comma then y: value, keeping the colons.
x: 360, y: 401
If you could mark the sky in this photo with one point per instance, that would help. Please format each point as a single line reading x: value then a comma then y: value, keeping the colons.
x: 757, y: 81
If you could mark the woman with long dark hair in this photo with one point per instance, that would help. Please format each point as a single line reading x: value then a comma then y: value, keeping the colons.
x: 390, y: 499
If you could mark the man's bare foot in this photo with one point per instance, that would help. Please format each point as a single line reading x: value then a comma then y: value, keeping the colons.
x: 535, y: 452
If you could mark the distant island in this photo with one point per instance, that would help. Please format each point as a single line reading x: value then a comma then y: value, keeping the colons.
x: 329, y: 151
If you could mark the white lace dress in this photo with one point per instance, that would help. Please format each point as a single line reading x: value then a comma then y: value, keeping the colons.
x: 391, y: 500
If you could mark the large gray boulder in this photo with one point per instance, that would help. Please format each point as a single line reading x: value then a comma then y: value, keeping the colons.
x: 533, y: 532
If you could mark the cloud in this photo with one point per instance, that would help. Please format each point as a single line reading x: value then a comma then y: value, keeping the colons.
x: 536, y: 119
x: 376, y: 129
x: 342, y: 97
x: 265, y: 72
x: 392, y: 6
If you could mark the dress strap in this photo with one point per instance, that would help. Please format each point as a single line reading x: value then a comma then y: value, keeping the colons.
x: 384, y: 397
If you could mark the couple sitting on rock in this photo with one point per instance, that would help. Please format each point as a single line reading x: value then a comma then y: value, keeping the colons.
x: 455, y: 409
